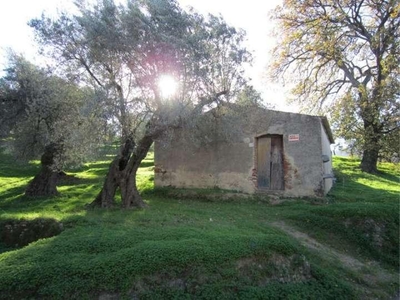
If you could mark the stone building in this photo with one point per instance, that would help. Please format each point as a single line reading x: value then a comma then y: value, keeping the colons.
x: 287, y: 154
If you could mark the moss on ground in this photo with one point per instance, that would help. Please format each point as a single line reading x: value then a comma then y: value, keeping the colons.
x: 190, y: 248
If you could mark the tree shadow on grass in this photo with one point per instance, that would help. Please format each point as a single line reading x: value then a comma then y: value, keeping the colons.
x: 90, y: 166
x: 355, y: 186
x: 11, y: 167
x: 347, y: 189
x: 98, y: 172
x: 12, y: 193
x: 388, y: 176
x: 71, y: 180
x: 19, y: 171
x: 386, y: 171
x: 146, y: 164
x: 71, y: 197
x: 98, y: 165
x: 19, y: 202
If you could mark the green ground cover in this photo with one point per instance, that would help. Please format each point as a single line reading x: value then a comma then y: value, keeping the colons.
x: 189, y: 247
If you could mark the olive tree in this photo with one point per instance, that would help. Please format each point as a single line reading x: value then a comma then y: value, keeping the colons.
x: 45, y: 116
x: 125, y: 50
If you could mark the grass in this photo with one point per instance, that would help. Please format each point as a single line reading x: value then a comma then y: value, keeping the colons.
x: 188, y: 247
x: 364, y: 215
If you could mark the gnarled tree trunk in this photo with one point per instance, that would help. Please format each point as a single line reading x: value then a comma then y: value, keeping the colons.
x: 122, y: 174
x: 129, y: 192
x: 370, y: 155
x: 369, y: 161
x: 105, y: 198
x: 45, y: 183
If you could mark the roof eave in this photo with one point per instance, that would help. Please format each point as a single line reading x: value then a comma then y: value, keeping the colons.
x: 327, y: 128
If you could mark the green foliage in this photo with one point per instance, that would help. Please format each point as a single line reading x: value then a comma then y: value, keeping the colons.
x: 39, y: 108
x: 352, y: 184
x: 23, y: 232
x: 364, y: 214
x: 343, y: 58
x: 126, y: 49
x: 248, y: 96
x: 176, y: 248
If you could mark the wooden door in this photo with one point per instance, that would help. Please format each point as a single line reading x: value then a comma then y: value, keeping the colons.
x: 263, y: 162
x: 270, y: 163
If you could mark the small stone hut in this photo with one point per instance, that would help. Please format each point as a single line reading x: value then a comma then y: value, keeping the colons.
x: 286, y: 154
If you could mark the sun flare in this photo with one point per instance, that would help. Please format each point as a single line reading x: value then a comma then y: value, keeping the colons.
x: 167, y: 85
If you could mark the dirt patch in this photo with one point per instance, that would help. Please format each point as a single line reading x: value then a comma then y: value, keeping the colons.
x: 371, y: 272
x: 108, y: 296
x: 373, y: 230
x: 19, y: 233
x: 311, y: 243
x: 208, y: 196
x: 277, y: 268
x: 256, y: 270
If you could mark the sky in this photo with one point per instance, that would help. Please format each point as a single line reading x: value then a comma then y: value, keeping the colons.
x: 250, y: 15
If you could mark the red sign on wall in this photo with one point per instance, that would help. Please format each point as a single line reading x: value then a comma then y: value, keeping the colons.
x: 294, y: 138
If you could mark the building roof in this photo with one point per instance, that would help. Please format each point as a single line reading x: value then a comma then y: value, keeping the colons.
x: 327, y: 128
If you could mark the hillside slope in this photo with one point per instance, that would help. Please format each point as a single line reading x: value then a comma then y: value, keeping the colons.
x: 194, y: 247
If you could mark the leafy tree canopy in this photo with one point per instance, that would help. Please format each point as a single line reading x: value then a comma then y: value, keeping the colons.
x: 125, y: 50
x: 343, y: 57
x: 39, y: 109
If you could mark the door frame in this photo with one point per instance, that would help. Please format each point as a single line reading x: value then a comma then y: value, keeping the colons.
x: 255, y: 160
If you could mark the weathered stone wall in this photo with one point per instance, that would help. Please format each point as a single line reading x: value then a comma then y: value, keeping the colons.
x: 218, y: 164
x: 232, y: 164
x: 302, y: 158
